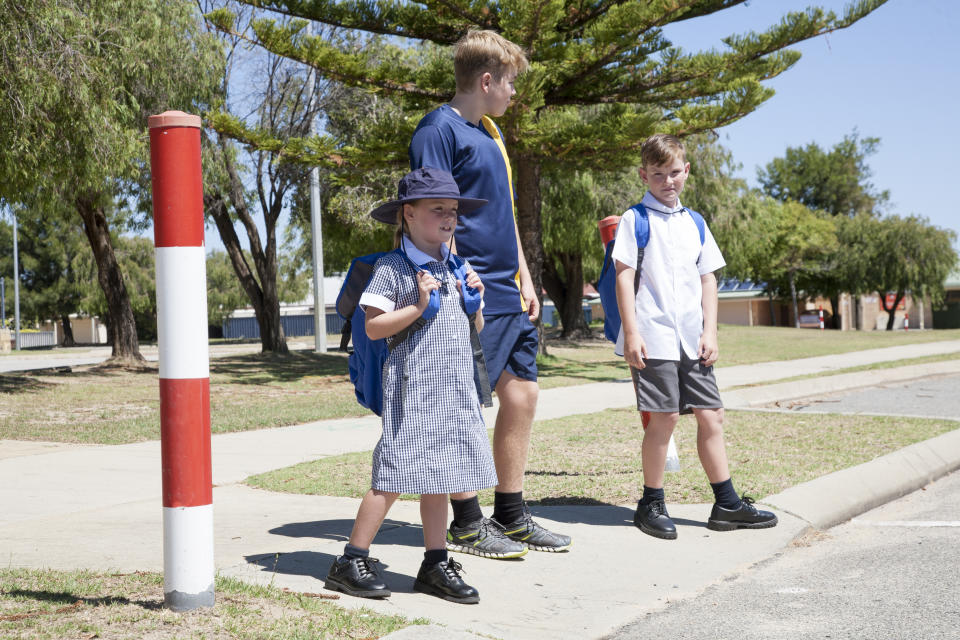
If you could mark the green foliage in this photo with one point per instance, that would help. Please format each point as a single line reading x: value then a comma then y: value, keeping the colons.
x: 835, y: 181
x: 611, y: 58
x: 224, y: 293
x: 766, y: 240
x: 909, y: 254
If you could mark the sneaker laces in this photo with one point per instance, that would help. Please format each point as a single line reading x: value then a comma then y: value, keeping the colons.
x: 486, y: 529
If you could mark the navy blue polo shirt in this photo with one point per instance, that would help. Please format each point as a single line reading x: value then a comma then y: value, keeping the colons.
x: 486, y: 236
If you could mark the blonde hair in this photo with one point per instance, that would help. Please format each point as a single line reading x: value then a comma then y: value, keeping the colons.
x: 661, y: 148
x: 486, y: 51
x: 398, y: 232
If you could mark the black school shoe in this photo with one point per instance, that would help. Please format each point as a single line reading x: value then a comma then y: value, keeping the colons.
x: 442, y: 579
x: 746, y: 516
x: 358, y: 577
x: 654, y: 520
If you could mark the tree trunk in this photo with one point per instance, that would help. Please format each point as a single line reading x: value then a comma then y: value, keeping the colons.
x: 68, y: 340
x: 528, y: 204
x: 835, y: 308
x: 123, y: 327
x: 773, y: 312
x: 272, y: 337
x: 567, y: 296
x: 793, y: 297
x: 892, y: 311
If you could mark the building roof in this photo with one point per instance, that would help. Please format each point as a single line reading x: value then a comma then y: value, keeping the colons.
x: 729, y: 288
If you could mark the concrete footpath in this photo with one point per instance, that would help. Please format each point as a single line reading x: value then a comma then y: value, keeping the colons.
x: 69, y: 506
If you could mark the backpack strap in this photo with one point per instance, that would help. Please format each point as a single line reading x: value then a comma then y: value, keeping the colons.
x: 700, y: 222
x: 433, y: 306
x: 641, y: 231
x: 471, y: 305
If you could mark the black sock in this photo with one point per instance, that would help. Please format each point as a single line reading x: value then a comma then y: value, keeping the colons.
x: 466, y: 511
x: 507, y: 507
x: 433, y: 556
x: 650, y: 495
x: 725, y: 495
x: 350, y: 551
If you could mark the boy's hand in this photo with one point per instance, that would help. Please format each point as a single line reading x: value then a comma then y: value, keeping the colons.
x: 426, y: 283
x: 532, y: 302
x: 634, y: 350
x: 473, y: 281
x: 708, y: 350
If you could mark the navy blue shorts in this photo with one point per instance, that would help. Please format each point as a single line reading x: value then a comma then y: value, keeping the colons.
x: 509, y: 344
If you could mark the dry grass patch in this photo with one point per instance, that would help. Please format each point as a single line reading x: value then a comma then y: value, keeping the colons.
x: 42, y: 605
x: 595, y: 458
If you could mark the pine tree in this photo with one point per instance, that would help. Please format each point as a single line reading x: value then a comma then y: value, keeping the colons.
x: 603, y: 77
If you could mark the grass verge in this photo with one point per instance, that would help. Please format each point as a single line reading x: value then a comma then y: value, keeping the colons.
x: 99, y: 405
x: 47, y: 605
x: 595, y: 458
x: 113, y: 406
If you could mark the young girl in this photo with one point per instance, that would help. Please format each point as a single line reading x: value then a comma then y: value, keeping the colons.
x: 434, y: 440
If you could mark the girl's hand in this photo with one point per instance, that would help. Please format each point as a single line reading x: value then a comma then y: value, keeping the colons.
x: 473, y: 281
x: 426, y: 283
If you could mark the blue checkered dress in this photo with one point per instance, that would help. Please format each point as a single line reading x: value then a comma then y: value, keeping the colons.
x: 434, y: 438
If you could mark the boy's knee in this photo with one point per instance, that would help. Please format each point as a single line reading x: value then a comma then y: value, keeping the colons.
x: 518, y: 394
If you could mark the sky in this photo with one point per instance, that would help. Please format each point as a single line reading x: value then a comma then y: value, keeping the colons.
x: 894, y: 75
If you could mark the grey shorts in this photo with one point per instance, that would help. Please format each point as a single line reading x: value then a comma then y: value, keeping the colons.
x: 668, y: 386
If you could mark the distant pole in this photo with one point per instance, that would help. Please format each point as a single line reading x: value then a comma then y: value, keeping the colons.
x: 820, y: 311
x: 3, y: 304
x: 188, y: 568
x: 16, y: 285
x: 316, y: 235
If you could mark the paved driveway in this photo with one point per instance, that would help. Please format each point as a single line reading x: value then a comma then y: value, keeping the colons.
x: 936, y: 397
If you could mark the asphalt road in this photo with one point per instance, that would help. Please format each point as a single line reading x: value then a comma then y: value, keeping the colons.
x: 890, y: 573
x: 928, y: 397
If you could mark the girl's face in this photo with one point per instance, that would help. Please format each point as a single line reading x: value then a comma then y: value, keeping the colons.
x: 431, y: 221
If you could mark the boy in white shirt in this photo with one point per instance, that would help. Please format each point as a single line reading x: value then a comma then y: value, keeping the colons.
x: 669, y: 338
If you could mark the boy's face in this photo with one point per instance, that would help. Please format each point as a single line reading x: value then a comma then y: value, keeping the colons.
x: 431, y: 220
x: 666, y: 180
x: 498, y: 92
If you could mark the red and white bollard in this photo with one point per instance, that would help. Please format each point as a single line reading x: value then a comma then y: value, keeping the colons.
x: 821, y: 317
x: 188, y: 568
x: 906, y: 322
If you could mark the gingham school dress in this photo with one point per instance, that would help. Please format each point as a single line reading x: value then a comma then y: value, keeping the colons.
x: 434, y: 438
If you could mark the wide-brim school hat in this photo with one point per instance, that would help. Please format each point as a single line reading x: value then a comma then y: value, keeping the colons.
x: 425, y: 183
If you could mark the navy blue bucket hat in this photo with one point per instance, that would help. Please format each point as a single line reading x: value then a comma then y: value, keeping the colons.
x: 425, y: 183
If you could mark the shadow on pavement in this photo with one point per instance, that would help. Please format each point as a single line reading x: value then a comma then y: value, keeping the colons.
x: 583, y: 511
x: 397, y: 532
x: 315, y: 564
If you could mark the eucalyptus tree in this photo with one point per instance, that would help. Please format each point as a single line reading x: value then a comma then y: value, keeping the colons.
x: 78, y: 79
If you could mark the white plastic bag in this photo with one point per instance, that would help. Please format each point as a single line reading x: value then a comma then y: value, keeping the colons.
x: 673, y: 458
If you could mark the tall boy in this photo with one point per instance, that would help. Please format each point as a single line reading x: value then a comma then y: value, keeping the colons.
x: 455, y: 138
x: 668, y: 337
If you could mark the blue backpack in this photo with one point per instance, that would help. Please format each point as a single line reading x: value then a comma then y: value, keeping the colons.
x: 607, y: 284
x: 368, y: 356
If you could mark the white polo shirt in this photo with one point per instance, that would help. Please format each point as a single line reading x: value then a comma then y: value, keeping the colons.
x: 669, y: 300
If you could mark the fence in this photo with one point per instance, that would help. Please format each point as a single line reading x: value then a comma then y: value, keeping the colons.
x: 33, y: 339
x: 293, y: 326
